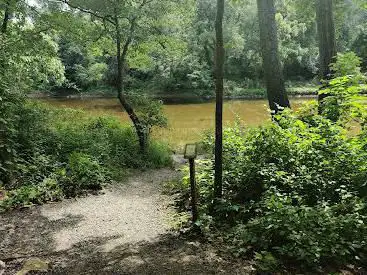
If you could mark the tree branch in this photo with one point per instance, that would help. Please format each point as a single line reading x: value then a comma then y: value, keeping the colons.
x: 88, y: 11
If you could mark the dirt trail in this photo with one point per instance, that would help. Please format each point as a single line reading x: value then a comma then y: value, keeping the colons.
x: 125, y: 230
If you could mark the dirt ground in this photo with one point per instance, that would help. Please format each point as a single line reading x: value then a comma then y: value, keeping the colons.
x: 124, y: 230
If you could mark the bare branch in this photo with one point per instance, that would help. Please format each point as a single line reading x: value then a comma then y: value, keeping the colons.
x: 88, y: 11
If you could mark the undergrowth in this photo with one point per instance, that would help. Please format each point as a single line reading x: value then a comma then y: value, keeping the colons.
x: 294, y: 190
x: 58, y: 153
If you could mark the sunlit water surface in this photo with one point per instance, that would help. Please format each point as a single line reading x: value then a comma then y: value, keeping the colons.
x: 186, y: 122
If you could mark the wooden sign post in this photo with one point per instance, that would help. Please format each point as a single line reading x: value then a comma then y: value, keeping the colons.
x: 191, y: 154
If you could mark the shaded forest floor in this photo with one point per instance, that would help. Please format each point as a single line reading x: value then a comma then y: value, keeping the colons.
x: 125, y: 230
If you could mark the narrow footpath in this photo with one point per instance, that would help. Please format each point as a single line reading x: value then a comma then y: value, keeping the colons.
x: 124, y: 230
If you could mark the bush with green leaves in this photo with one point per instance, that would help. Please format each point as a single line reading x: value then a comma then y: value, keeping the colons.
x: 42, y: 179
x: 346, y: 64
x: 30, y: 194
x: 295, y: 189
x: 80, y: 152
x: 82, y: 173
x: 45, y: 153
x: 314, y: 158
x: 104, y: 138
x: 343, y: 102
x: 305, y: 236
x: 28, y: 60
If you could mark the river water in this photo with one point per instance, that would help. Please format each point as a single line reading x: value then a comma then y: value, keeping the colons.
x: 186, y: 122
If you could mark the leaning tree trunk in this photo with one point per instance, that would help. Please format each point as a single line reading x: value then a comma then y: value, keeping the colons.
x: 121, y: 58
x: 219, y: 62
x: 326, y: 37
x: 277, y: 96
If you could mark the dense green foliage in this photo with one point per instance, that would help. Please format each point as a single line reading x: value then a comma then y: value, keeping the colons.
x: 45, y: 153
x: 58, y: 153
x: 172, y: 51
x: 294, y: 190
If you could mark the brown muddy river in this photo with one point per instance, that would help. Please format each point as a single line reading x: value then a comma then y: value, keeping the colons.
x: 186, y: 122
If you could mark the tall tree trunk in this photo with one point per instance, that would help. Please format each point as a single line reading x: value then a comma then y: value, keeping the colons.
x: 4, y: 26
x: 326, y: 36
x: 277, y: 96
x: 121, y: 58
x: 5, y: 155
x: 219, y: 62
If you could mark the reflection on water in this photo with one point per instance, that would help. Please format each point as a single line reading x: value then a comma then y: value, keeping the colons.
x: 187, y: 122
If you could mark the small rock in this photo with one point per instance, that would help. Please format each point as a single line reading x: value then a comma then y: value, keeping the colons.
x: 188, y: 259
x: 2, y: 195
x: 2, y: 267
x: 178, y: 159
x: 34, y: 264
x: 196, y: 244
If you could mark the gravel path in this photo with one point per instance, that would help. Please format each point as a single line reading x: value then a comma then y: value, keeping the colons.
x: 132, y: 213
x: 125, y: 230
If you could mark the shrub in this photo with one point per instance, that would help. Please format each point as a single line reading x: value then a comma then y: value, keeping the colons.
x: 104, y: 138
x: 158, y: 154
x: 30, y: 194
x: 342, y: 102
x: 78, y: 151
x: 82, y: 173
x: 308, y: 236
x: 294, y: 192
x: 347, y: 64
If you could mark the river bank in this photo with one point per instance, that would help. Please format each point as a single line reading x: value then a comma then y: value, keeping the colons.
x: 178, y: 97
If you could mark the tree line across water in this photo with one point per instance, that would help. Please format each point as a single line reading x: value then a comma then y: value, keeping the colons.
x: 172, y: 44
x: 290, y: 195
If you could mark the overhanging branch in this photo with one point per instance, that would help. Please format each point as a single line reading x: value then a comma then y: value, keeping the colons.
x: 88, y: 11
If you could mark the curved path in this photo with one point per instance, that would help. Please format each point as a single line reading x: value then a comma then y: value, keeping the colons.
x: 125, y: 230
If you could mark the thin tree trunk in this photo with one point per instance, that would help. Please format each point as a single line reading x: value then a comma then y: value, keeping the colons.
x: 219, y: 62
x: 4, y: 26
x: 5, y: 158
x: 121, y: 58
x: 208, y: 56
x: 277, y: 96
x: 326, y: 37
